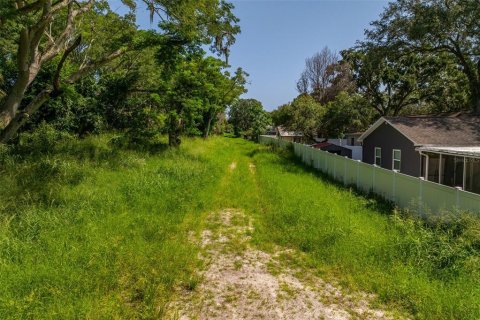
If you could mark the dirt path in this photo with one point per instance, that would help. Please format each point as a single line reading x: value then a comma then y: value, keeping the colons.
x: 240, y: 282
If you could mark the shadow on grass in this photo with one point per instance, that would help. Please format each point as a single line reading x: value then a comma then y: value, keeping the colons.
x: 293, y: 164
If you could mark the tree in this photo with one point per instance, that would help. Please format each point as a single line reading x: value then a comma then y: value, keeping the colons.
x: 220, y: 91
x: 393, y: 82
x: 318, y: 74
x: 46, y: 31
x: 347, y: 113
x: 325, y: 76
x: 196, y: 92
x: 86, y: 35
x: 435, y: 27
x: 248, y: 117
x: 303, y: 114
x: 306, y: 117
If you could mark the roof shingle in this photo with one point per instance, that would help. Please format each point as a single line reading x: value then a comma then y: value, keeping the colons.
x: 437, y: 130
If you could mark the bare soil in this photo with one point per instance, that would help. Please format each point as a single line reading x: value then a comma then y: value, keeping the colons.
x: 241, y: 282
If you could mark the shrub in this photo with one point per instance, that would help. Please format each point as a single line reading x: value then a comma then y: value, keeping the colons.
x: 43, y: 140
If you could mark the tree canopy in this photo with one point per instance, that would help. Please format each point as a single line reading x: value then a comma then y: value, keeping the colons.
x: 47, y: 46
x: 248, y: 118
x: 435, y: 27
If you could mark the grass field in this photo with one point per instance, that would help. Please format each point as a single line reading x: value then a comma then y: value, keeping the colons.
x: 88, y: 230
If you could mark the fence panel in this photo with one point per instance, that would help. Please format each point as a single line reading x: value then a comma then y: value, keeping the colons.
x: 383, y: 183
x: 316, y: 159
x: 311, y: 160
x: 469, y: 201
x: 365, y: 177
x: 437, y: 197
x: 351, y: 171
x: 405, y: 191
x: 341, y: 169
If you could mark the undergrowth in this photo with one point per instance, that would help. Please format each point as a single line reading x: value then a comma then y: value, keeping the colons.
x: 428, y: 267
x: 98, y: 228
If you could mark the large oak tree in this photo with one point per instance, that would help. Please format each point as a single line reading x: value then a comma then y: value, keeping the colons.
x: 428, y: 27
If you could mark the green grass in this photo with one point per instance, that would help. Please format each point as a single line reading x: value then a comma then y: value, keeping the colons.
x: 89, y: 230
x: 430, y: 271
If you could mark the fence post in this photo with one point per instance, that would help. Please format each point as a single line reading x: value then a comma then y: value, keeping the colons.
x: 373, y: 178
x: 358, y: 174
x: 312, y: 157
x: 345, y: 171
x: 421, y: 179
x: 334, y: 168
x: 394, y: 198
x: 459, y: 189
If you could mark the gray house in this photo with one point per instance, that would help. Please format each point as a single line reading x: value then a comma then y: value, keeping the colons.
x: 442, y: 149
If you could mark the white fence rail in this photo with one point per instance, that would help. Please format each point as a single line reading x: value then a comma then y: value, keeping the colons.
x: 406, y: 191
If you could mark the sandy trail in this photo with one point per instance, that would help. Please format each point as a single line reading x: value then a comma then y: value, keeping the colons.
x: 241, y: 282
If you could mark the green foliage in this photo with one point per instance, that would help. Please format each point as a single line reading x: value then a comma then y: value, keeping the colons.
x: 443, y: 29
x: 92, y: 230
x: 394, y: 83
x: 42, y: 141
x: 196, y: 92
x: 427, y: 268
x: 346, y: 114
x: 102, y: 36
x: 303, y: 114
x: 248, y: 118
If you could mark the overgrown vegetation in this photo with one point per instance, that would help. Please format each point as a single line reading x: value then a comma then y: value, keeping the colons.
x: 429, y: 268
x: 92, y: 229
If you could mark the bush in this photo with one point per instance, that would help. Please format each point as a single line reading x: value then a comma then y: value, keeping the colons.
x: 43, y: 140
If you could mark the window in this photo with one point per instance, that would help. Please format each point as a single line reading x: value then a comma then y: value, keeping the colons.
x: 378, y: 156
x: 397, y: 159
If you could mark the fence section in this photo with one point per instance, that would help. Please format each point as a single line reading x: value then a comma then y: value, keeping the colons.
x: 405, y: 191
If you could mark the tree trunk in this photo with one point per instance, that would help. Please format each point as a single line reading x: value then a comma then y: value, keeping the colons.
x: 13, y: 100
x: 475, y: 98
x: 206, y: 130
x: 174, y: 130
x: 174, y: 138
x: 22, y: 117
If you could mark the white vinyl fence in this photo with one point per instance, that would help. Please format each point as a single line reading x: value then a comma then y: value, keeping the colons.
x: 406, y: 191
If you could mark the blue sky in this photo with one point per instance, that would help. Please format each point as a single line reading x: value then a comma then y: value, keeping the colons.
x: 277, y: 37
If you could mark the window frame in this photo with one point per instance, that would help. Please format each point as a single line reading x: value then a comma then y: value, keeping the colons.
x: 379, y: 157
x: 398, y: 160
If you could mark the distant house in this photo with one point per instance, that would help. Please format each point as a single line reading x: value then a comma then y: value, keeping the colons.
x: 333, y: 148
x: 293, y: 136
x: 349, y: 141
x: 270, y: 131
x: 442, y: 149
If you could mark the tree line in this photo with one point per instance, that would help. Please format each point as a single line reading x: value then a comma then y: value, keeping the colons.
x: 419, y: 57
x: 82, y: 68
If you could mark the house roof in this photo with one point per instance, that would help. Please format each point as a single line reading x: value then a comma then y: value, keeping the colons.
x: 282, y: 131
x: 456, y: 151
x: 458, y: 130
x: 321, y: 145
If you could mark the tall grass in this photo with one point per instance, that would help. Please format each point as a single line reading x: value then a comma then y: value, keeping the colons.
x: 96, y: 228
x: 429, y: 268
x: 91, y: 231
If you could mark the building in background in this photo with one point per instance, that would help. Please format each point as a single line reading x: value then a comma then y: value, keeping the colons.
x: 292, y: 136
x: 442, y: 149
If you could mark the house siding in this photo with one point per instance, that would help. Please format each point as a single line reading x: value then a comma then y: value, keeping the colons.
x: 388, y: 138
x: 291, y: 138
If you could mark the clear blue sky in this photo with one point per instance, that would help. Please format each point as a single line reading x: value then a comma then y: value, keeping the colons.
x: 277, y: 36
